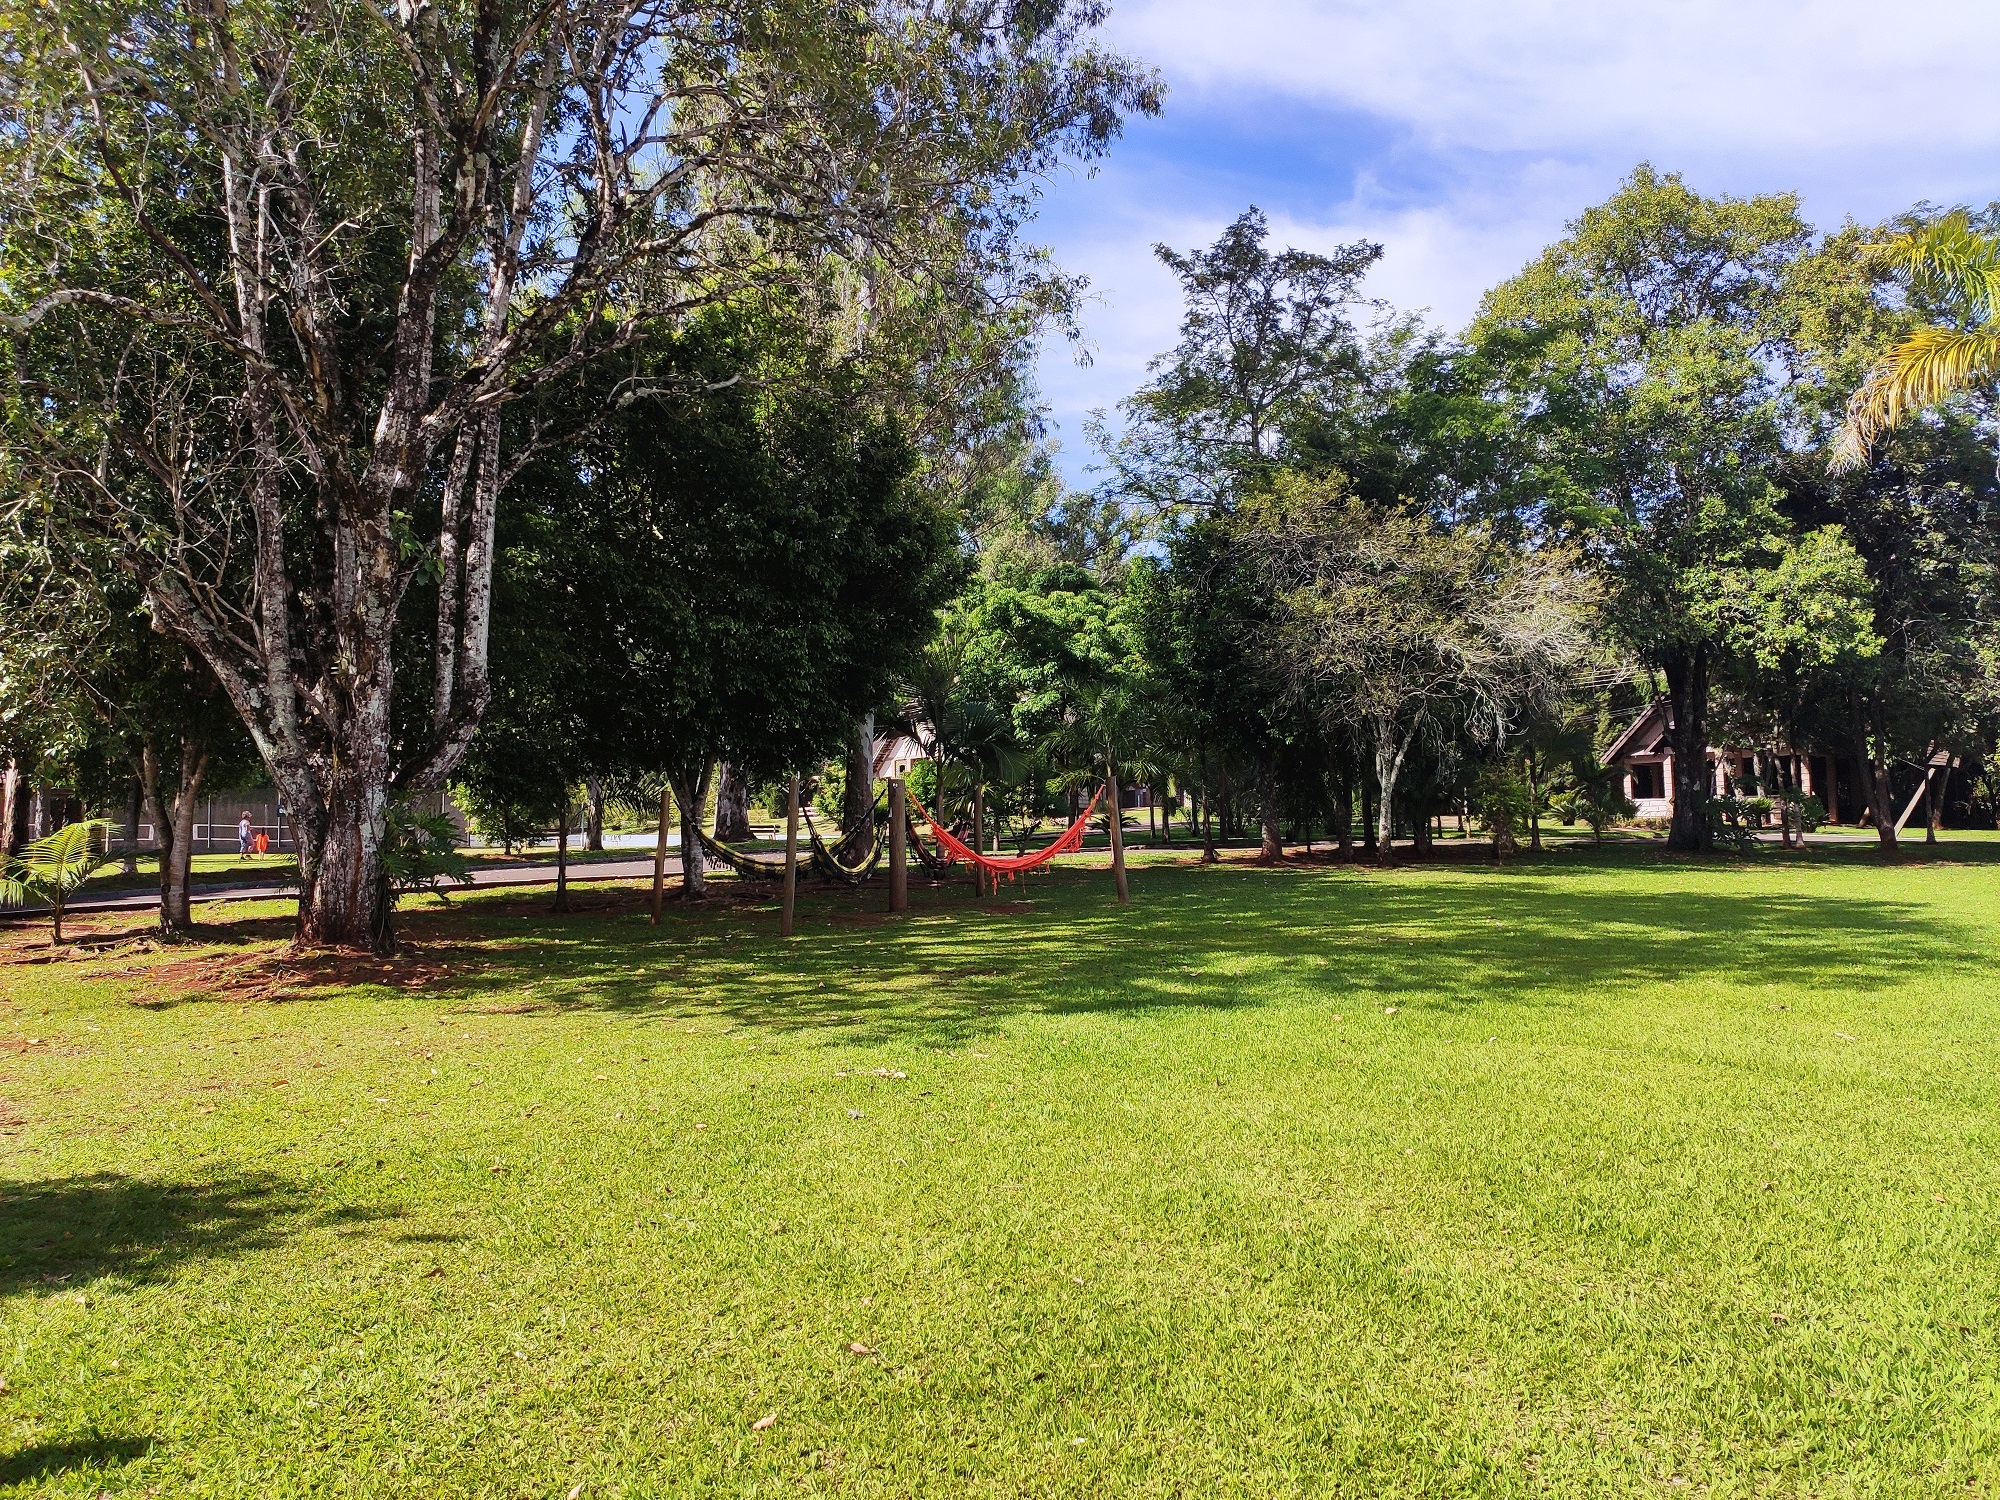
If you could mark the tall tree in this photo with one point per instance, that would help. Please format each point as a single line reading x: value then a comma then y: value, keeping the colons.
x: 1387, y: 620
x: 1265, y: 337
x: 1643, y: 356
x: 275, y: 275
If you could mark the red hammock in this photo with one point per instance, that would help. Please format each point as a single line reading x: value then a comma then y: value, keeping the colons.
x: 1011, y: 865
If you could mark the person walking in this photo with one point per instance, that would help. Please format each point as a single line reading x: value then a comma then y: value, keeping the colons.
x: 243, y: 836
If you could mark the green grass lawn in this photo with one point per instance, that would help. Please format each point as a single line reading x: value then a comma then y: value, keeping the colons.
x: 1602, y: 1175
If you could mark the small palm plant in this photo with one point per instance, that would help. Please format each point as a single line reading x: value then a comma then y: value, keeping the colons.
x: 51, y: 869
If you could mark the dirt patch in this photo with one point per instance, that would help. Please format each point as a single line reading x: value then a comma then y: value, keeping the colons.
x: 281, y: 975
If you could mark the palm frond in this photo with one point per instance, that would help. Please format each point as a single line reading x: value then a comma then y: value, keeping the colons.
x: 1949, y: 261
x: 1928, y: 367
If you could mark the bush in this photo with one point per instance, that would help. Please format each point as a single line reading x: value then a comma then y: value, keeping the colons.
x: 1500, y: 802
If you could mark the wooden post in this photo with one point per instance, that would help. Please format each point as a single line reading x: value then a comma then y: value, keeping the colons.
x: 899, y: 849
x: 979, y: 838
x: 660, y: 856
x: 791, y: 859
x: 1118, y: 841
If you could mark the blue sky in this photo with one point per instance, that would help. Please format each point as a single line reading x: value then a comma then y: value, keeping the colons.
x: 1464, y: 135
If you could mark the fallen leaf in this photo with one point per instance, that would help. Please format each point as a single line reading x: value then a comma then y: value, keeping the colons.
x: 575, y: 1491
x: 1938, y: 1196
x: 700, y: 1126
x: 890, y: 1073
x: 858, y: 1347
x: 1845, y: 1037
x: 763, y: 1422
x: 1779, y: 1318
x: 854, y: 1114
x: 1388, y: 1010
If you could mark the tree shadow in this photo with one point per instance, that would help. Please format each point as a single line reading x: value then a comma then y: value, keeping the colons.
x: 75, y: 1229
x: 79, y: 1455
x: 1225, y: 937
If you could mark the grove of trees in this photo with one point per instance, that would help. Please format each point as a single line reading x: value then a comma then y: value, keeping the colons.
x: 580, y: 402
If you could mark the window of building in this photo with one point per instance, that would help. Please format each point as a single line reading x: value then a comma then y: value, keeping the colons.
x: 1649, y: 780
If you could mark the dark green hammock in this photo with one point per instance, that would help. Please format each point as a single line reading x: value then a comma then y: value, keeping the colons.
x: 822, y: 859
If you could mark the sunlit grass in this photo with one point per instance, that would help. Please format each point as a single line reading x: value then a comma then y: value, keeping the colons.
x: 1600, y: 1175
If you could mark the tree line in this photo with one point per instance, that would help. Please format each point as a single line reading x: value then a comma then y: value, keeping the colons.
x: 641, y: 407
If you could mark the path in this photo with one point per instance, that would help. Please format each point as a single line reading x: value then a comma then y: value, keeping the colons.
x: 580, y: 873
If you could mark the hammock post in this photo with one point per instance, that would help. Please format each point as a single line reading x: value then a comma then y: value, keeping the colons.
x: 791, y: 859
x: 1118, y: 841
x: 660, y: 856
x: 899, y: 849
x: 979, y: 838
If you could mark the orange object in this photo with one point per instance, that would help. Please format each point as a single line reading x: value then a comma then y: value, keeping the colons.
x: 1012, y: 864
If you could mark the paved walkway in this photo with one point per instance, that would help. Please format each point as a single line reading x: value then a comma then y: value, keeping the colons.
x: 580, y: 872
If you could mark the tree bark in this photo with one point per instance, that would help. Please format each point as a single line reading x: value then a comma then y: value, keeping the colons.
x: 10, y: 807
x: 135, y: 803
x: 1271, y: 838
x: 1534, y: 801
x: 561, y: 902
x: 857, y: 802
x: 1872, y: 769
x: 1687, y: 698
x: 692, y: 795
x: 1390, y: 747
x: 175, y: 821
x: 593, y: 827
x: 732, y: 807
x: 1117, y: 837
x: 1343, y: 817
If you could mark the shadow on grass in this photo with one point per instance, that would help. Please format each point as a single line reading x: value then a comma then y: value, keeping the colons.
x: 81, y: 1455
x: 74, y: 1229
x: 1219, y: 938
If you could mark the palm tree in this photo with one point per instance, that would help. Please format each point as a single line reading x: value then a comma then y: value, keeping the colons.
x: 52, y: 868
x: 1952, y: 265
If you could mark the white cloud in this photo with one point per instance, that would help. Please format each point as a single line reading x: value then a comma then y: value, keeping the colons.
x: 1762, y: 76
x: 1464, y: 135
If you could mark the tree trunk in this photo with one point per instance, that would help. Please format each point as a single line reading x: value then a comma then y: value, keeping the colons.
x: 593, y: 827
x: 1534, y: 802
x: 1931, y: 800
x: 10, y: 807
x: 785, y: 922
x: 1343, y: 817
x: 1390, y: 748
x: 660, y: 855
x: 1687, y: 697
x: 732, y: 807
x: 857, y: 801
x: 1369, y: 843
x: 175, y: 822
x: 562, y: 860
x: 135, y: 803
x: 1117, y: 836
x: 1271, y: 839
x: 1871, y: 768
x: 692, y: 796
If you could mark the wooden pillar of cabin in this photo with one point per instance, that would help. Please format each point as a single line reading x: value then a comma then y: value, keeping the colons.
x: 899, y: 848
